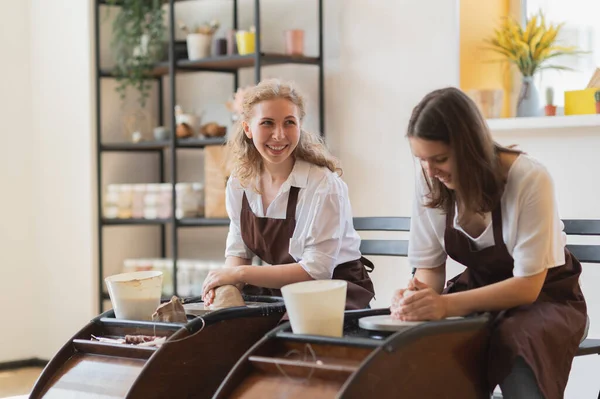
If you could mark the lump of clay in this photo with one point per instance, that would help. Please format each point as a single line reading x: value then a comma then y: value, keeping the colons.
x: 170, y: 312
x: 227, y: 296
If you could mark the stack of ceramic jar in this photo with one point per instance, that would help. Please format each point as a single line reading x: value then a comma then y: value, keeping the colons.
x: 153, y: 201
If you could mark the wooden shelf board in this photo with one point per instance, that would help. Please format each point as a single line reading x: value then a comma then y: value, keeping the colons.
x: 226, y: 63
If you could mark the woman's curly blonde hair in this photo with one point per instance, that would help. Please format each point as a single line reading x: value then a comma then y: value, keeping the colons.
x: 247, y: 161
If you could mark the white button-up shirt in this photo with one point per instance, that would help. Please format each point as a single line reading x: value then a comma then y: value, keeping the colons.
x: 324, y: 236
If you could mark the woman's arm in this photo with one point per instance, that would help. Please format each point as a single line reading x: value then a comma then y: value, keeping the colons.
x: 434, y: 277
x: 512, y: 292
x: 275, y: 276
x: 234, y: 261
x: 427, y: 304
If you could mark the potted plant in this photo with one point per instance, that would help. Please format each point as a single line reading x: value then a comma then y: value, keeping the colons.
x: 531, y: 50
x: 138, y: 43
x: 200, y: 39
x: 550, y: 107
x: 597, y: 98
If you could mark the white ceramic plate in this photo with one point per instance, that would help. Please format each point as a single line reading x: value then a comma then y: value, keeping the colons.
x: 386, y: 323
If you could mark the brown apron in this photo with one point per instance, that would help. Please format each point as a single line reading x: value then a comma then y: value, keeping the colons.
x: 269, y: 239
x: 546, y: 333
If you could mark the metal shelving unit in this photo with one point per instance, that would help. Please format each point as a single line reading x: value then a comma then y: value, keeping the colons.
x: 169, y: 70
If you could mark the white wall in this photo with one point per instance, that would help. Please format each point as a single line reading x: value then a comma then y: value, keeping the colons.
x: 63, y: 169
x: 380, y: 63
x: 18, y: 291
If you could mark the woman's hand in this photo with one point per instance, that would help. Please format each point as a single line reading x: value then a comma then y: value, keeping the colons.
x: 399, y: 296
x: 423, y: 304
x: 217, y: 278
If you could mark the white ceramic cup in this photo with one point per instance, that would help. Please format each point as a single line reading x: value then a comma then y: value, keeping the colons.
x: 316, y: 307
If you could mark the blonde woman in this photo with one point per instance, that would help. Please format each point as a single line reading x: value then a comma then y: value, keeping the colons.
x: 287, y: 204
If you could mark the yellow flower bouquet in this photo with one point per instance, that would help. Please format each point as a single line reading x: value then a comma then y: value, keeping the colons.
x: 531, y: 48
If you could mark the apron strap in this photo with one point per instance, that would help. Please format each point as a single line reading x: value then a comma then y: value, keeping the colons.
x: 497, y: 226
x: 292, y: 202
x: 245, y: 203
x: 450, y: 216
x: 368, y: 264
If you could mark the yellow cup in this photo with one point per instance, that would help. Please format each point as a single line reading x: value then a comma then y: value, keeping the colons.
x: 245, y: 42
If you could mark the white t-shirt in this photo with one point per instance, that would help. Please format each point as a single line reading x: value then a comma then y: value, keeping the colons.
x: 531, y: 227
x: 324, y: 236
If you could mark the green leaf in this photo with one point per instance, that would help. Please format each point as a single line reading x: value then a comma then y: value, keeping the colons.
x: 135, y: 19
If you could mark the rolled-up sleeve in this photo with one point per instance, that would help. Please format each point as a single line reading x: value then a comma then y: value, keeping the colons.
x: 424, y: 247
x: 324, y: 232
x: 233, y: 202
x: 540, y: 240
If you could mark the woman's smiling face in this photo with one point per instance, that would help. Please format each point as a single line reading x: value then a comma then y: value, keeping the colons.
x: 274, y: 129
x: 435, y: 158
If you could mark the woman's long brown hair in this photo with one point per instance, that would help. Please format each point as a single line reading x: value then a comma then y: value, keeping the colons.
x: 450, y: 116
